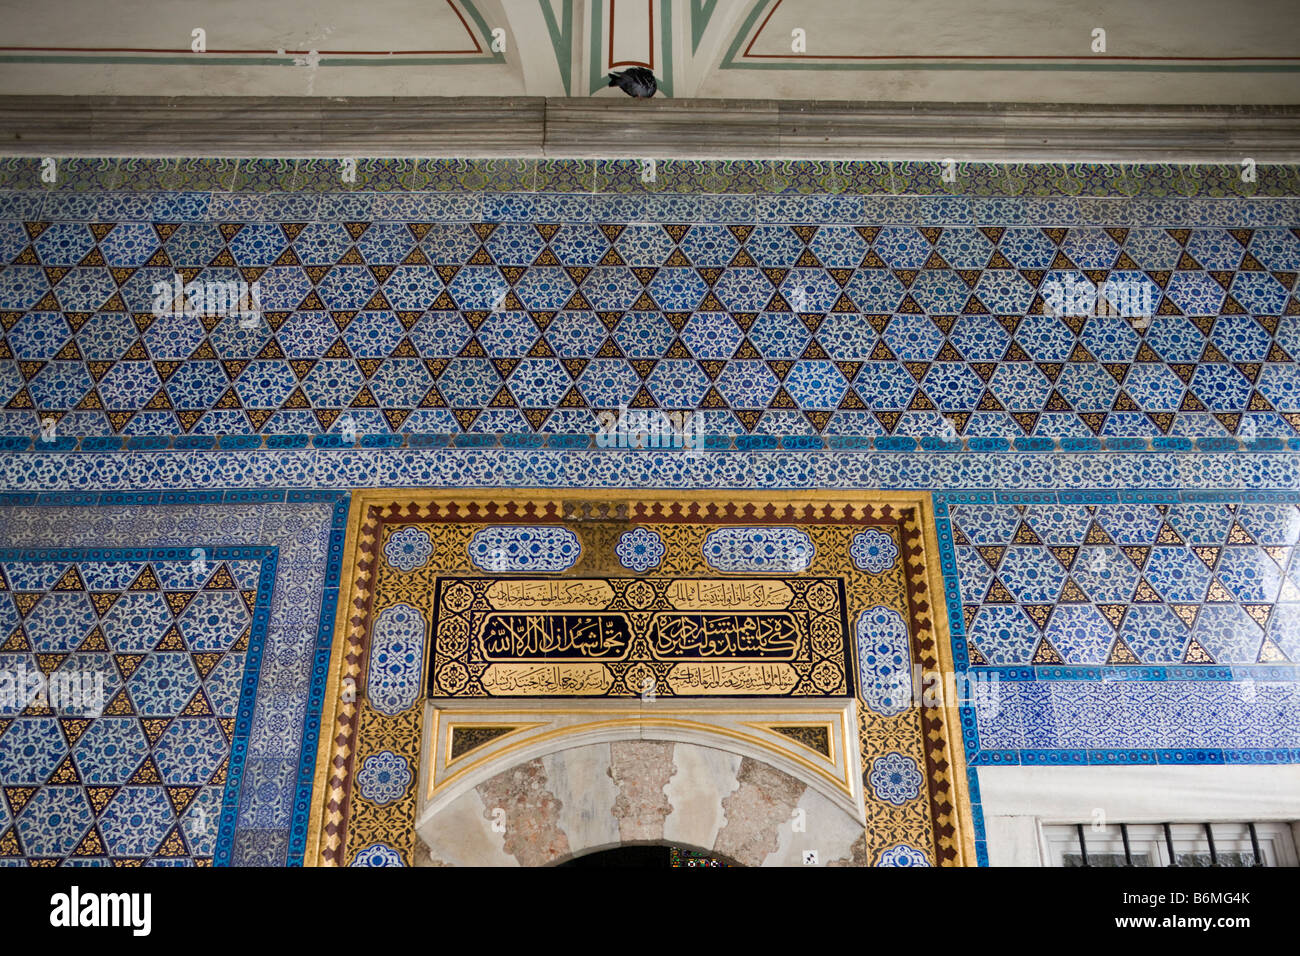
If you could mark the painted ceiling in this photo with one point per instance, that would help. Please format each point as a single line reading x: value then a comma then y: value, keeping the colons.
x: 930, y: 50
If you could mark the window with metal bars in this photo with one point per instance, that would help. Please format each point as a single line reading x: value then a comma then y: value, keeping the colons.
x: 1171, y: 844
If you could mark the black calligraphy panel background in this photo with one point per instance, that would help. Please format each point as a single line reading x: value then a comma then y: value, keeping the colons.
x: 623, y: 637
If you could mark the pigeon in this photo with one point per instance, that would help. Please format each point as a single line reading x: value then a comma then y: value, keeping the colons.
x: 638, y: 82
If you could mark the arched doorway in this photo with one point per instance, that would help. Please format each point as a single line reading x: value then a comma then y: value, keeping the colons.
x: 632, y: 798
x: 656, y: 856
x: 487, y: 711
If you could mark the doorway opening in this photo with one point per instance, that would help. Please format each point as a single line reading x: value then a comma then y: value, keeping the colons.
x: 651, y: 856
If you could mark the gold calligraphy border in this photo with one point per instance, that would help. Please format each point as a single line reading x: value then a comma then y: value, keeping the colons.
x: 946, y: 764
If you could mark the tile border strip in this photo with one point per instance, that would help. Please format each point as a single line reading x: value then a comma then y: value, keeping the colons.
x: 150, y: 476
x: 673, y: 177
x: 887, y: 444
x: 25, y: 204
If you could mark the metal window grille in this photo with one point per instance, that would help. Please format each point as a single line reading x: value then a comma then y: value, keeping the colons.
x: 1206, y: 844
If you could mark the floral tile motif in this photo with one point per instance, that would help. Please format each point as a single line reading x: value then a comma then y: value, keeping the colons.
x: 539, y: 548
x: 156, y: 692
x: 1153, y: 720
x: 884, y: 660
x: 1128, y: 585
x: 516, y: 311
x: 484, y: 460
x: 396, y: 656
x: 765, y: 549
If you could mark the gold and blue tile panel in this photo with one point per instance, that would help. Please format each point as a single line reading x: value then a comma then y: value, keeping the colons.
x: 420, y: 561
x: 185, y: 673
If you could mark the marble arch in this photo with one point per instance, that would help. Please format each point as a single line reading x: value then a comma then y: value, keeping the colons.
x: 577, y: 800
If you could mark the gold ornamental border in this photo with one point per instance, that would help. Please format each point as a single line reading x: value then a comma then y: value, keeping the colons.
x: 946, y: 762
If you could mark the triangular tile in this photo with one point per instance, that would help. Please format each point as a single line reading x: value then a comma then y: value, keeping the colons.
x: 1270, y: 653
x: 1045, y: 653
x: 1039, y: 614
x: 1121, y: 653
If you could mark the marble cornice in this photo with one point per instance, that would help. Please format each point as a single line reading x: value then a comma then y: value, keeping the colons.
x: 591, y: 127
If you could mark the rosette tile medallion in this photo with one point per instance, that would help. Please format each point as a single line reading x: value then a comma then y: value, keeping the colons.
x: 593, y: 599
x: 639, y: 549
x: 408, y: 548
x: 873, y: 551
x: 384, y: 777
x: 895, y: 778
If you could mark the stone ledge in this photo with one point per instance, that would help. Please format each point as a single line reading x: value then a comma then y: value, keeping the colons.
x: 587, y: 127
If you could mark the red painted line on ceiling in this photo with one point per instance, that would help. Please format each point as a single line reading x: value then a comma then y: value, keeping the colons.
x: 650, y: 5
x: 749, y: 54
x: 477, y: 48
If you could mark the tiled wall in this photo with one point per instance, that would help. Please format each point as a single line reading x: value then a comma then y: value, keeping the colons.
x: 470, y: 319
x: 205, y: 626
x: 846, y: 317
x: 1160, y: 630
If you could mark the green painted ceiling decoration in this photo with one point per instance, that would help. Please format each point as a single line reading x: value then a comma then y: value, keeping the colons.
x: 696, y: 48
x: 701, y: 11
x: 561, y: 34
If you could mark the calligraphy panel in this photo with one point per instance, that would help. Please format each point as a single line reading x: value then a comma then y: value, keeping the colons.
x: 618, y: 637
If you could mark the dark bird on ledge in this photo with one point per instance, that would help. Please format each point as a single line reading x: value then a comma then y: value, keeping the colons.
x: 637, y: 81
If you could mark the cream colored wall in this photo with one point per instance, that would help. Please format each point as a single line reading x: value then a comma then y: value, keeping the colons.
x: 1018, y: 801
x: 1024, y: 28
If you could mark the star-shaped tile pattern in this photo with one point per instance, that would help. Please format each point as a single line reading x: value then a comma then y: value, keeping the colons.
x: 123, y: 757
x: 523, y: 327
x: 1179, y: 583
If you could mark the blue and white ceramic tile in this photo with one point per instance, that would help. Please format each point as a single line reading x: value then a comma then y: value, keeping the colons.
x: 1159, y: 583
x: 498, y: 308
x: 539, y: 548
x: 396, y: 659
x: 149, y: 743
